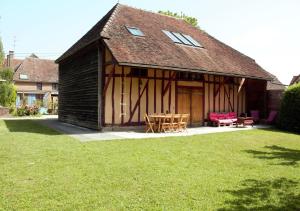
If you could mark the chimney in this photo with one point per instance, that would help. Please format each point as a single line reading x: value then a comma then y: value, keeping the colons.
x: 10, y: 57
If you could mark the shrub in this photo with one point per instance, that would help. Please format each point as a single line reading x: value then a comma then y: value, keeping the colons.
x: 27, y: 111
x: 7, y: 74
x: 8, y: 94
x: 289, y: 115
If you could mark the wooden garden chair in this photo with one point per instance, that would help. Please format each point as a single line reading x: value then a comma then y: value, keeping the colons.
x: 175, y: 122
x: 183, y: 122
x: 166, y: 124
x: 149, y: 125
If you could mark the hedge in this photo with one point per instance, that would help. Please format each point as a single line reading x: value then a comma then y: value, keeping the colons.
x: 289, y: 115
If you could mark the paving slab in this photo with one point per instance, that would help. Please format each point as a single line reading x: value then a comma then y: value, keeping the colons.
x: 85, y: 135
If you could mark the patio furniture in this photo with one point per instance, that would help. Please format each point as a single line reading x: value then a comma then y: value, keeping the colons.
x: 255, y: 115
x: 271, y: 118
x: 175, y: 122
x: 150, y: 125
x: 182, y: 124
x: 222, y: 119
x: 166, y: 124
x: 244, y: 121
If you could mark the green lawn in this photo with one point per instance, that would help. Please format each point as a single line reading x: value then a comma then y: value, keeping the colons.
x: 41, y: 169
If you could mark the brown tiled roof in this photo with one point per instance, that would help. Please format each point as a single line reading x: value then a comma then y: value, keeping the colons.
x: 37, y: 70
x: 155, y: 49
x: 295, y: 79
x: 15, y: 63
x: 275, y: 84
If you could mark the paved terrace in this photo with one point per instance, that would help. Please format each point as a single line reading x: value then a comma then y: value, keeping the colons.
x: 85, y: 135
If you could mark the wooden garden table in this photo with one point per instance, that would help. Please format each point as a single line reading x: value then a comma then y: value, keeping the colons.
x: 244, y: 121
x: 159, y: 117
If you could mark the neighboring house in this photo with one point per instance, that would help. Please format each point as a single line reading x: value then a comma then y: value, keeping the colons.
x: 275, y: 90
x: 35, y: 79
x: 134, y: 62
x: 296, y: 79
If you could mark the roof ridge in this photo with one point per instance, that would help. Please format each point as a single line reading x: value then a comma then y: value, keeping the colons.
x: 28, y: 57
x: 150, y: 11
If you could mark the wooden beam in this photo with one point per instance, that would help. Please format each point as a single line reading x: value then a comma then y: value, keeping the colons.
x: 111, y: 74
x: 113, y: 96
x: 203, y: 104
x: 169, y: 82
x: 170, y: 91
x: 130, y: 93
x: 162, y: 91
x: 138, y: 102
x: 214, y: 99
x: 176, y: 96
x: 147, y: 99
x: 122, y: 97
x: 228, y: 97
x: 101, y: 79
x: 139, y: 92
x: 154, y: 91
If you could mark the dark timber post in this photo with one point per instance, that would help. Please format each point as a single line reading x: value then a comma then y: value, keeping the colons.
x: 101, y: 76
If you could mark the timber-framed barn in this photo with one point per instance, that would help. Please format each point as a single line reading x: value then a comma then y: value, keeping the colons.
x: 134, y: 62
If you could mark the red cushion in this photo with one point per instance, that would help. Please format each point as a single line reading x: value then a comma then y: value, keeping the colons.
x: 232, y: 115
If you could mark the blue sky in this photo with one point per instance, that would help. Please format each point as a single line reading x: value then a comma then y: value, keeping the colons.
x: 266, y: 30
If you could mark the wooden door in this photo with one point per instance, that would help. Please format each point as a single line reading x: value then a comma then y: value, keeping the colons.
x: 191, y: 101
x: 196, y: 110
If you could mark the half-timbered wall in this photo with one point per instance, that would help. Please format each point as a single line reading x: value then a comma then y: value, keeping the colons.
x: 128, y: 98
x: 78, y: 89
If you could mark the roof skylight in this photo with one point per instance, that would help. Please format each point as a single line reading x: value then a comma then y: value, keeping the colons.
x: 182, y: 38
x: 172, y: 36
x: 135, y: 31
x: 194, y: 42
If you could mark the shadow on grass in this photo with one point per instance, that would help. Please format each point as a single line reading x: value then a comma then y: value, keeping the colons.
x: 278, y: 194
x: 28, y: 126
x: 278, y: 130
x: 285, y: 155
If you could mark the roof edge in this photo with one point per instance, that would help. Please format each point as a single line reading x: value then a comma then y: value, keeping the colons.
x: 64, y: 56
x: 191, y: 70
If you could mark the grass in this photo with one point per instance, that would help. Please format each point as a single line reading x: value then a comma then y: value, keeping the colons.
x: 41, y: 169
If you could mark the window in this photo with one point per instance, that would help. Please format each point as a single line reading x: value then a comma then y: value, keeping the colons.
x: 172, y: 36
x: 138, y: 72
x: 194, y: 42
x: 23, y: 77
x: 182, y: 38
x: 54, y: 86
x: 188, y: 76
x: 135, y: 31
x: 39, y: 86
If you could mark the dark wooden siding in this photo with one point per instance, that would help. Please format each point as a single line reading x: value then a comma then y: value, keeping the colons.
x: 274, y: 99
x: 256, y: 96
x: 78, y: 89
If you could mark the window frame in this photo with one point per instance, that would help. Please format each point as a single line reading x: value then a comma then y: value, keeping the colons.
x: 55, y: 85
x: 138, y: 72
x: 129, y: 28
x: 39, y: 86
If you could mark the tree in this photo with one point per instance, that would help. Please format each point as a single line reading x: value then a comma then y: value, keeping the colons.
x: 2, y: 55
x: 191, y: 20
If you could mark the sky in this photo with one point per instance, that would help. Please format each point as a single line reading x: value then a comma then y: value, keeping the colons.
x: 266, y: 30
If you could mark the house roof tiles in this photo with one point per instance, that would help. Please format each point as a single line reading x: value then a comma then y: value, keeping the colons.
x: 155, y: 49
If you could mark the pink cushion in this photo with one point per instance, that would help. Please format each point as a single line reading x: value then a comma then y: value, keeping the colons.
x: 225, y: 121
